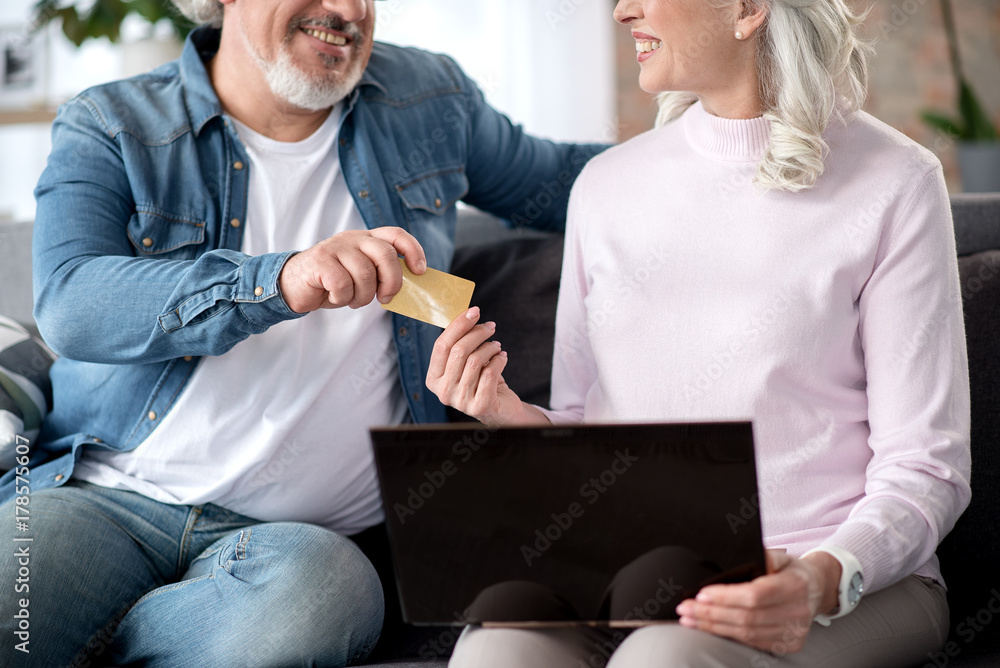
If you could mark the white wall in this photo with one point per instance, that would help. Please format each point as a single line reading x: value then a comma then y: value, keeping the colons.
x: 548, y: 64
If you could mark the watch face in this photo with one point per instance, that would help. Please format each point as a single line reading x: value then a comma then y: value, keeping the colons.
x: 855, y: 589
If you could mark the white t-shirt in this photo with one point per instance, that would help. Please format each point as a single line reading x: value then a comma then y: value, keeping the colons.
x: 276, y: 428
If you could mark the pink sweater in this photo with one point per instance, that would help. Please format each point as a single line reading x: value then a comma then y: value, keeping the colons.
x: 832, y: 318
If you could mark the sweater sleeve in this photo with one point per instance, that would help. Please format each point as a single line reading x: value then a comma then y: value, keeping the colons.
x: 913, y: 338
x: 574, y: 371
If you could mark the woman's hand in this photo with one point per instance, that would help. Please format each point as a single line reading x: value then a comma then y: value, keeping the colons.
x: 466, y: 372
x: 773, y: 612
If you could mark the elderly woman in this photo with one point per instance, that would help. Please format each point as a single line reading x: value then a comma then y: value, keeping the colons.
x: 768, y: 251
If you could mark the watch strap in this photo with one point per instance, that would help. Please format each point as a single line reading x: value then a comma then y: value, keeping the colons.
x: 849, y: 565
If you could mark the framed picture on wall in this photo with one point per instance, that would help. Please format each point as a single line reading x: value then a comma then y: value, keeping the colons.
x: 22, y: 68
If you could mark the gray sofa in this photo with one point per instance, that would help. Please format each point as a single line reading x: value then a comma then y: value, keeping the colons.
x: 517, y: 276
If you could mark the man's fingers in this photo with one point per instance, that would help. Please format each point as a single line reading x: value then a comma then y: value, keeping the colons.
x: 405, y: 245
x: 390, y: 276
x: 363, y: 274
x: 338, y: 283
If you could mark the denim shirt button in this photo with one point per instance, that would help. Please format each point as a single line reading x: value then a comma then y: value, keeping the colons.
x: 152, y: 415
x: 437, y: 202
x: 237, y: 165
x: 147, y: 242
x: 416, y: 396
x: 363, y: 194
x: 59, y: 477
x: 259, y: 291
x: 187, y: 358
x: 403, y: 331
x: 235, y: 222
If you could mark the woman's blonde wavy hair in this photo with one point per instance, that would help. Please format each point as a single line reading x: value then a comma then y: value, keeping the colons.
x: 812, y: 68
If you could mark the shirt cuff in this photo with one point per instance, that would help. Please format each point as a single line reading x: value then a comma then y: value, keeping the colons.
x: 257, y: 292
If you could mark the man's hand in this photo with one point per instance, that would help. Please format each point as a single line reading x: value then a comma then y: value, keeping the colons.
x: 466, y: 373
x: 773, y: 611
x: 350, y: 269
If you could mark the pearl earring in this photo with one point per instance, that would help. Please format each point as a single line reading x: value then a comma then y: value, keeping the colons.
x: 739, y: 35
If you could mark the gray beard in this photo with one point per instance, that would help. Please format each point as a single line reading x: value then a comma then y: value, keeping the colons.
x: 297, y: 88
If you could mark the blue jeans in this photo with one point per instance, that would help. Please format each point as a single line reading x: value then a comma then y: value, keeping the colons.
x: 115, y: 577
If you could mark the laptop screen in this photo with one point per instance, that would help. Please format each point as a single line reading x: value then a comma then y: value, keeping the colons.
x: 613, y: 523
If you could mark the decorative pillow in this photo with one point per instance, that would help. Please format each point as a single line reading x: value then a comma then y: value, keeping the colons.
x: 25, y: 389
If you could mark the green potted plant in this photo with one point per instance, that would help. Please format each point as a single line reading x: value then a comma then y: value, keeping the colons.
x: 94, y: 19
x: 82, y: 19
x: 977, y: 138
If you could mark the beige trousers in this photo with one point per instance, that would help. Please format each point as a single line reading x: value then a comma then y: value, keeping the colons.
x: 897, y: 626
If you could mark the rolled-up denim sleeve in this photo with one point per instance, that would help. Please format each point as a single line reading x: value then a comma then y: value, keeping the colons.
x: 95, y: 301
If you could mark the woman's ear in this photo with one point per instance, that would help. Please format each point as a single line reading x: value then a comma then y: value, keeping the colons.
x: 753, y: 13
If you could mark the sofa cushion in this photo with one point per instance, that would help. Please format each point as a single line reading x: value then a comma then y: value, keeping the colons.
x: 971, y: 552
x: 15, y: 271
x: 977, y: 221
x: 25, y: 389
x: 517, y: 286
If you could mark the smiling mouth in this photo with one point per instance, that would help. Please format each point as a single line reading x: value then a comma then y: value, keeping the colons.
x: 329, y: 38
x: 647, y: 46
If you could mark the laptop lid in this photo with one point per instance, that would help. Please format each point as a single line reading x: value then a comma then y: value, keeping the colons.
x: 600, y: 524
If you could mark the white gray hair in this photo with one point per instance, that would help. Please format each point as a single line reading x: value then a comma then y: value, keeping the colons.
x: 812, y: 67
x: 201, y: 11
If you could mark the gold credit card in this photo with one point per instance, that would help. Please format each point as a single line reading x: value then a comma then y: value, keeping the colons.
x: 433, y: 297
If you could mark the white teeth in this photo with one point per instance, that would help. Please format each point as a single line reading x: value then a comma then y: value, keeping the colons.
x: 643, y: 47
x: 336, y: 40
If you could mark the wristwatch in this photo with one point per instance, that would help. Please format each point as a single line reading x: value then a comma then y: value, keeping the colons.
x: 852, y: 582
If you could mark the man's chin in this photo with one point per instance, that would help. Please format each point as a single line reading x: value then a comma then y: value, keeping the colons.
x: 310, y: 93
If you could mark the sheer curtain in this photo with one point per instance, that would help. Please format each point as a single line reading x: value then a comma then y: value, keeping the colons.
x: 548, y: 64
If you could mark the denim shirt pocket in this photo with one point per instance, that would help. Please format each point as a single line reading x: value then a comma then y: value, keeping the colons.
x: 434, y: 193
x: 156, y: 233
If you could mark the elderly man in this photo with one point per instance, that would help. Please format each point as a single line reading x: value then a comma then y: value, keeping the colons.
x: 199, y: 232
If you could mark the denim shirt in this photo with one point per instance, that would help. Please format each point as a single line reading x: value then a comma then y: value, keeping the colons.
x: 136, y: 256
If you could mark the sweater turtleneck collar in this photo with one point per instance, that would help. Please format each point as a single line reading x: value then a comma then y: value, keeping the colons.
x: 726, y: 138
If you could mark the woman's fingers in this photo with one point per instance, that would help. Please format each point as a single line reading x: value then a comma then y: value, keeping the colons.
x: 774, y: 608
x: 460, y: 355
x: 485, y: 399
x: 451, y: 335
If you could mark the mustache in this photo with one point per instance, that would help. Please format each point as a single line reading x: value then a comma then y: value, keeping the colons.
x: 330, y: 22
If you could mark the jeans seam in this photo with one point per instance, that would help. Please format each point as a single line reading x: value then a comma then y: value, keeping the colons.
x: 170, y: 587
x: 193, y: 518
x: 241, y: 545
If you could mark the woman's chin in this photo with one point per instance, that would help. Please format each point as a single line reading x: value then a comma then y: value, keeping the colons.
x: 656, y: 84
x: 649, y: 87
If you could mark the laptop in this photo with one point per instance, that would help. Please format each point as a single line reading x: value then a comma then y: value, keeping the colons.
x: 602, y: 525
